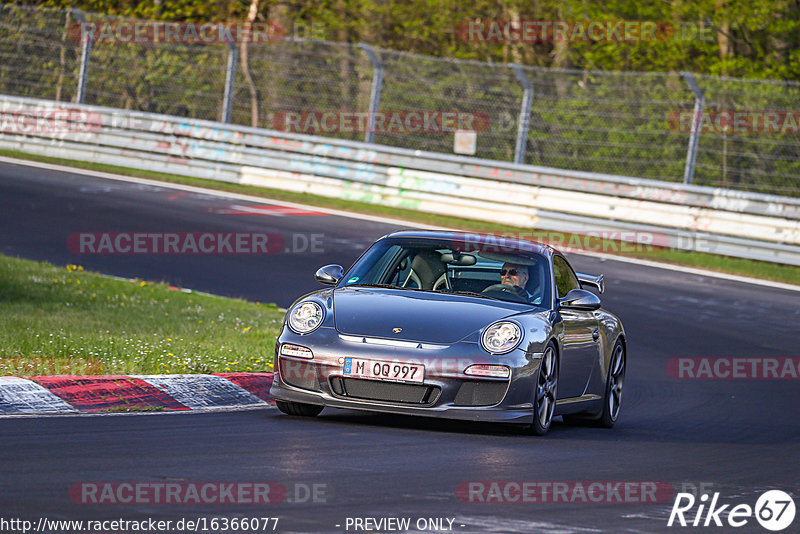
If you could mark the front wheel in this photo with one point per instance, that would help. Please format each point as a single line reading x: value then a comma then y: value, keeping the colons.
x: 616, y: 378
x: 613, y: 394
x: 299, y: 409
x: 546, y: 388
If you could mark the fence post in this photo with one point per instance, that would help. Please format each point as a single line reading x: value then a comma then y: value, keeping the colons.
x: 230, y: 80
x: 697, y: 116
x: 524, y: 113
x: 375, y: 94
x: 86, y: 50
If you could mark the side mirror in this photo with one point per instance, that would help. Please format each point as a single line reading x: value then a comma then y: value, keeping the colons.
x: 329, y: 275
x: 580, y: 299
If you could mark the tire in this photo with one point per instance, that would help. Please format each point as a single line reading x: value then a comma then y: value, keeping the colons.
x: 612, y: 396
x: 614, y: 383
x: 544, y: 401
x: 298, y: 409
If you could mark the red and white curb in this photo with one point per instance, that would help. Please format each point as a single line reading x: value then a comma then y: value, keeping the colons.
x: 20, y: 396
x: 45, y: 395
x: 203, y: 391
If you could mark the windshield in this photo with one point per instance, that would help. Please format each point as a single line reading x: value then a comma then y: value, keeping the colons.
x: 454, y: 267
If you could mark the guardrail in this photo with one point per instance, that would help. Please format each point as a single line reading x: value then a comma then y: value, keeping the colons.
x: 721, y: 221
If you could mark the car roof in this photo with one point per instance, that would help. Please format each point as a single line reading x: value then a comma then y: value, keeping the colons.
x: 489, y: 240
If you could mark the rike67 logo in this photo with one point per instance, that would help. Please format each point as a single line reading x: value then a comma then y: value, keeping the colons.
x: 774, y: 510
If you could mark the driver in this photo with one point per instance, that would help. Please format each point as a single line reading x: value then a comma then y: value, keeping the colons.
x: 516, y: 276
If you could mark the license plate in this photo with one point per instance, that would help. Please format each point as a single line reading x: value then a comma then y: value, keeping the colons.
x: 382, y: 370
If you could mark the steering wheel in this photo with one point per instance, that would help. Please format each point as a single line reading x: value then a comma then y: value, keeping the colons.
x: 517, y: 294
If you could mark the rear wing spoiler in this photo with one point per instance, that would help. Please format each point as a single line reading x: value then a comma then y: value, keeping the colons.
x: 591, y: 280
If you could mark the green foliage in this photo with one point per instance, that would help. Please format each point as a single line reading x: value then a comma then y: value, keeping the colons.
x: 763, y: 36
x: 64, y: 320
x: 607, y: 111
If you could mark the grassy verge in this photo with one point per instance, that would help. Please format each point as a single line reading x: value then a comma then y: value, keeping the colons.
x: 757, y: 269
x: 64, y: 320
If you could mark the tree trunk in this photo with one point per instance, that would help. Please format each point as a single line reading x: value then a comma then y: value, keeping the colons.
x: 251, y: 17
x: 279, y: 94
x: 723, y: 33
x: 62, y: 57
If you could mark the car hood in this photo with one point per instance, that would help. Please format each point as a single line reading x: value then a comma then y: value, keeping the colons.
x: 425, y: 317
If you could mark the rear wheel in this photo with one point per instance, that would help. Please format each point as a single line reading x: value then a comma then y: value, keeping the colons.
x: 546, y: 387
x: 299, y: 409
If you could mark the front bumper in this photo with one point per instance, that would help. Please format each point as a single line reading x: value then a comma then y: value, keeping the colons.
x: 446, y: 391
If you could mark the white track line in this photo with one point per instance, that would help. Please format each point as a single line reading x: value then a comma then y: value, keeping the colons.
x: 385, y: 220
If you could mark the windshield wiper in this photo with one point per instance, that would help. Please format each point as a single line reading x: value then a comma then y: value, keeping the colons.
x: 387, y: 286
x: 470, y: 294
x: 448, y: 291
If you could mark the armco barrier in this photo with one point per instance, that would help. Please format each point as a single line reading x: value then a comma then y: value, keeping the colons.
x: 735, y: 223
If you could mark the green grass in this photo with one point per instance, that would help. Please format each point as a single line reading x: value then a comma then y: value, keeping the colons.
x: 757, y: 269
x: 64, y: 320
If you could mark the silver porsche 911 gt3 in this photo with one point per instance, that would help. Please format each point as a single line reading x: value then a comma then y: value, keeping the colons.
x: 462, y: 326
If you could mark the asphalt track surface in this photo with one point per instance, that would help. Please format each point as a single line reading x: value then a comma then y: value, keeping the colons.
x: 735, y: 437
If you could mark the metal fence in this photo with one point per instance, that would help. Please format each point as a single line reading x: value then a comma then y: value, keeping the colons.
x: 623, y: 123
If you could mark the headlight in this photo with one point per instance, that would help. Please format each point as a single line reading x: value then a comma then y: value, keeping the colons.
x: 501, y: 337
x: 305, y: 317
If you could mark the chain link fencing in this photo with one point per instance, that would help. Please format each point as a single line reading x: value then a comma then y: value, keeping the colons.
x: 620, y: 123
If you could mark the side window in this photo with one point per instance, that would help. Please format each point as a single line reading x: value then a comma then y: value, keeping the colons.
x: 565, y: 278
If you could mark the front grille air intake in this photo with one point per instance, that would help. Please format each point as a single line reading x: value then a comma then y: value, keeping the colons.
x: 481, y: 393
x: 299, y: 374
x: 385, y: 391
